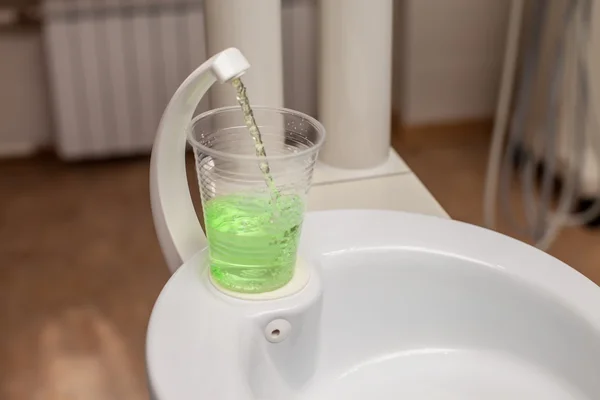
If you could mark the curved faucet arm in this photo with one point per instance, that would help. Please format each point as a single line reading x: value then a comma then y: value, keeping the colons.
x: 178, y: 229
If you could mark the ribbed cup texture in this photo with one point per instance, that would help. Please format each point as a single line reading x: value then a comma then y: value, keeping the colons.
x: 252, y: 232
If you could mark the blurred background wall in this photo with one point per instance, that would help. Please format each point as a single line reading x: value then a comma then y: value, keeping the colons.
x: 25, y: 116
x: 451, y: 59
x: 445, y: 67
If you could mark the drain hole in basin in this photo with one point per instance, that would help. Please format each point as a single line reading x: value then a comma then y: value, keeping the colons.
x: 277, y: 330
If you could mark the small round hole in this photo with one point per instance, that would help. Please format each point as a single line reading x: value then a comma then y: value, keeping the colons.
x: 277, y: 330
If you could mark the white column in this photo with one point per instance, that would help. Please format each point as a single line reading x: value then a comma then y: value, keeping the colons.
x: 254, y: 27
x: 355, y: 81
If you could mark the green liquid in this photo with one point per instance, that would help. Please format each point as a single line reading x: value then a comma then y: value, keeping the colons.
x: 252, y: 241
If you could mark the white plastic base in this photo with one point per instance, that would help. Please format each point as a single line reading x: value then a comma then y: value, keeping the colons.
x: 402, y: 192
x: 298, y: 282
x: 325, y: 174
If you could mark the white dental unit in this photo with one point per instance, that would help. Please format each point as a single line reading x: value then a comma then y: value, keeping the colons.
x: 395, y: 305
x: 390, y: 305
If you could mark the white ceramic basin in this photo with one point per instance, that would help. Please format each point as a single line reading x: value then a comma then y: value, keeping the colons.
x: 399, y: 306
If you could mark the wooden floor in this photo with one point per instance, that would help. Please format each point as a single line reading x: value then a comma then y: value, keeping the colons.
x: 80, y: 265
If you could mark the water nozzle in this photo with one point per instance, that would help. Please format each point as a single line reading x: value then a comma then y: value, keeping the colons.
x: 229, y: 64
x: 179, y: 233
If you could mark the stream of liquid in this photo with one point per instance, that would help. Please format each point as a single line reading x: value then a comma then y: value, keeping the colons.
x: 244, y: 102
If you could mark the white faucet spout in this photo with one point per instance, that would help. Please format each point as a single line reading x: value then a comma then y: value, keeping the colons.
x: 179, y: 232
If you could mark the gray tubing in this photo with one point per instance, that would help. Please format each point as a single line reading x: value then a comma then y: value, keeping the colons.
x: 549, y: 152
x: 541, y: 223
x: 571, y: 177
x: 592, y: 212
x: 516, y: 129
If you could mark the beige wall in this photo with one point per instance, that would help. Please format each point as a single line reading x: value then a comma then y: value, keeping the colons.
x: 24, y: 112
x: 451, y: 58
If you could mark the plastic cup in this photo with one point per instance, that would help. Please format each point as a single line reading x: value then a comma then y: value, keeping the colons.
x: 252, y: 230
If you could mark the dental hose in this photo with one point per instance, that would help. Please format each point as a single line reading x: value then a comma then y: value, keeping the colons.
x: 541, y: 224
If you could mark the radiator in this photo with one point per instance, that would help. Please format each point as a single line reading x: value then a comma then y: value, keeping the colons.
x: 113, y: 66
